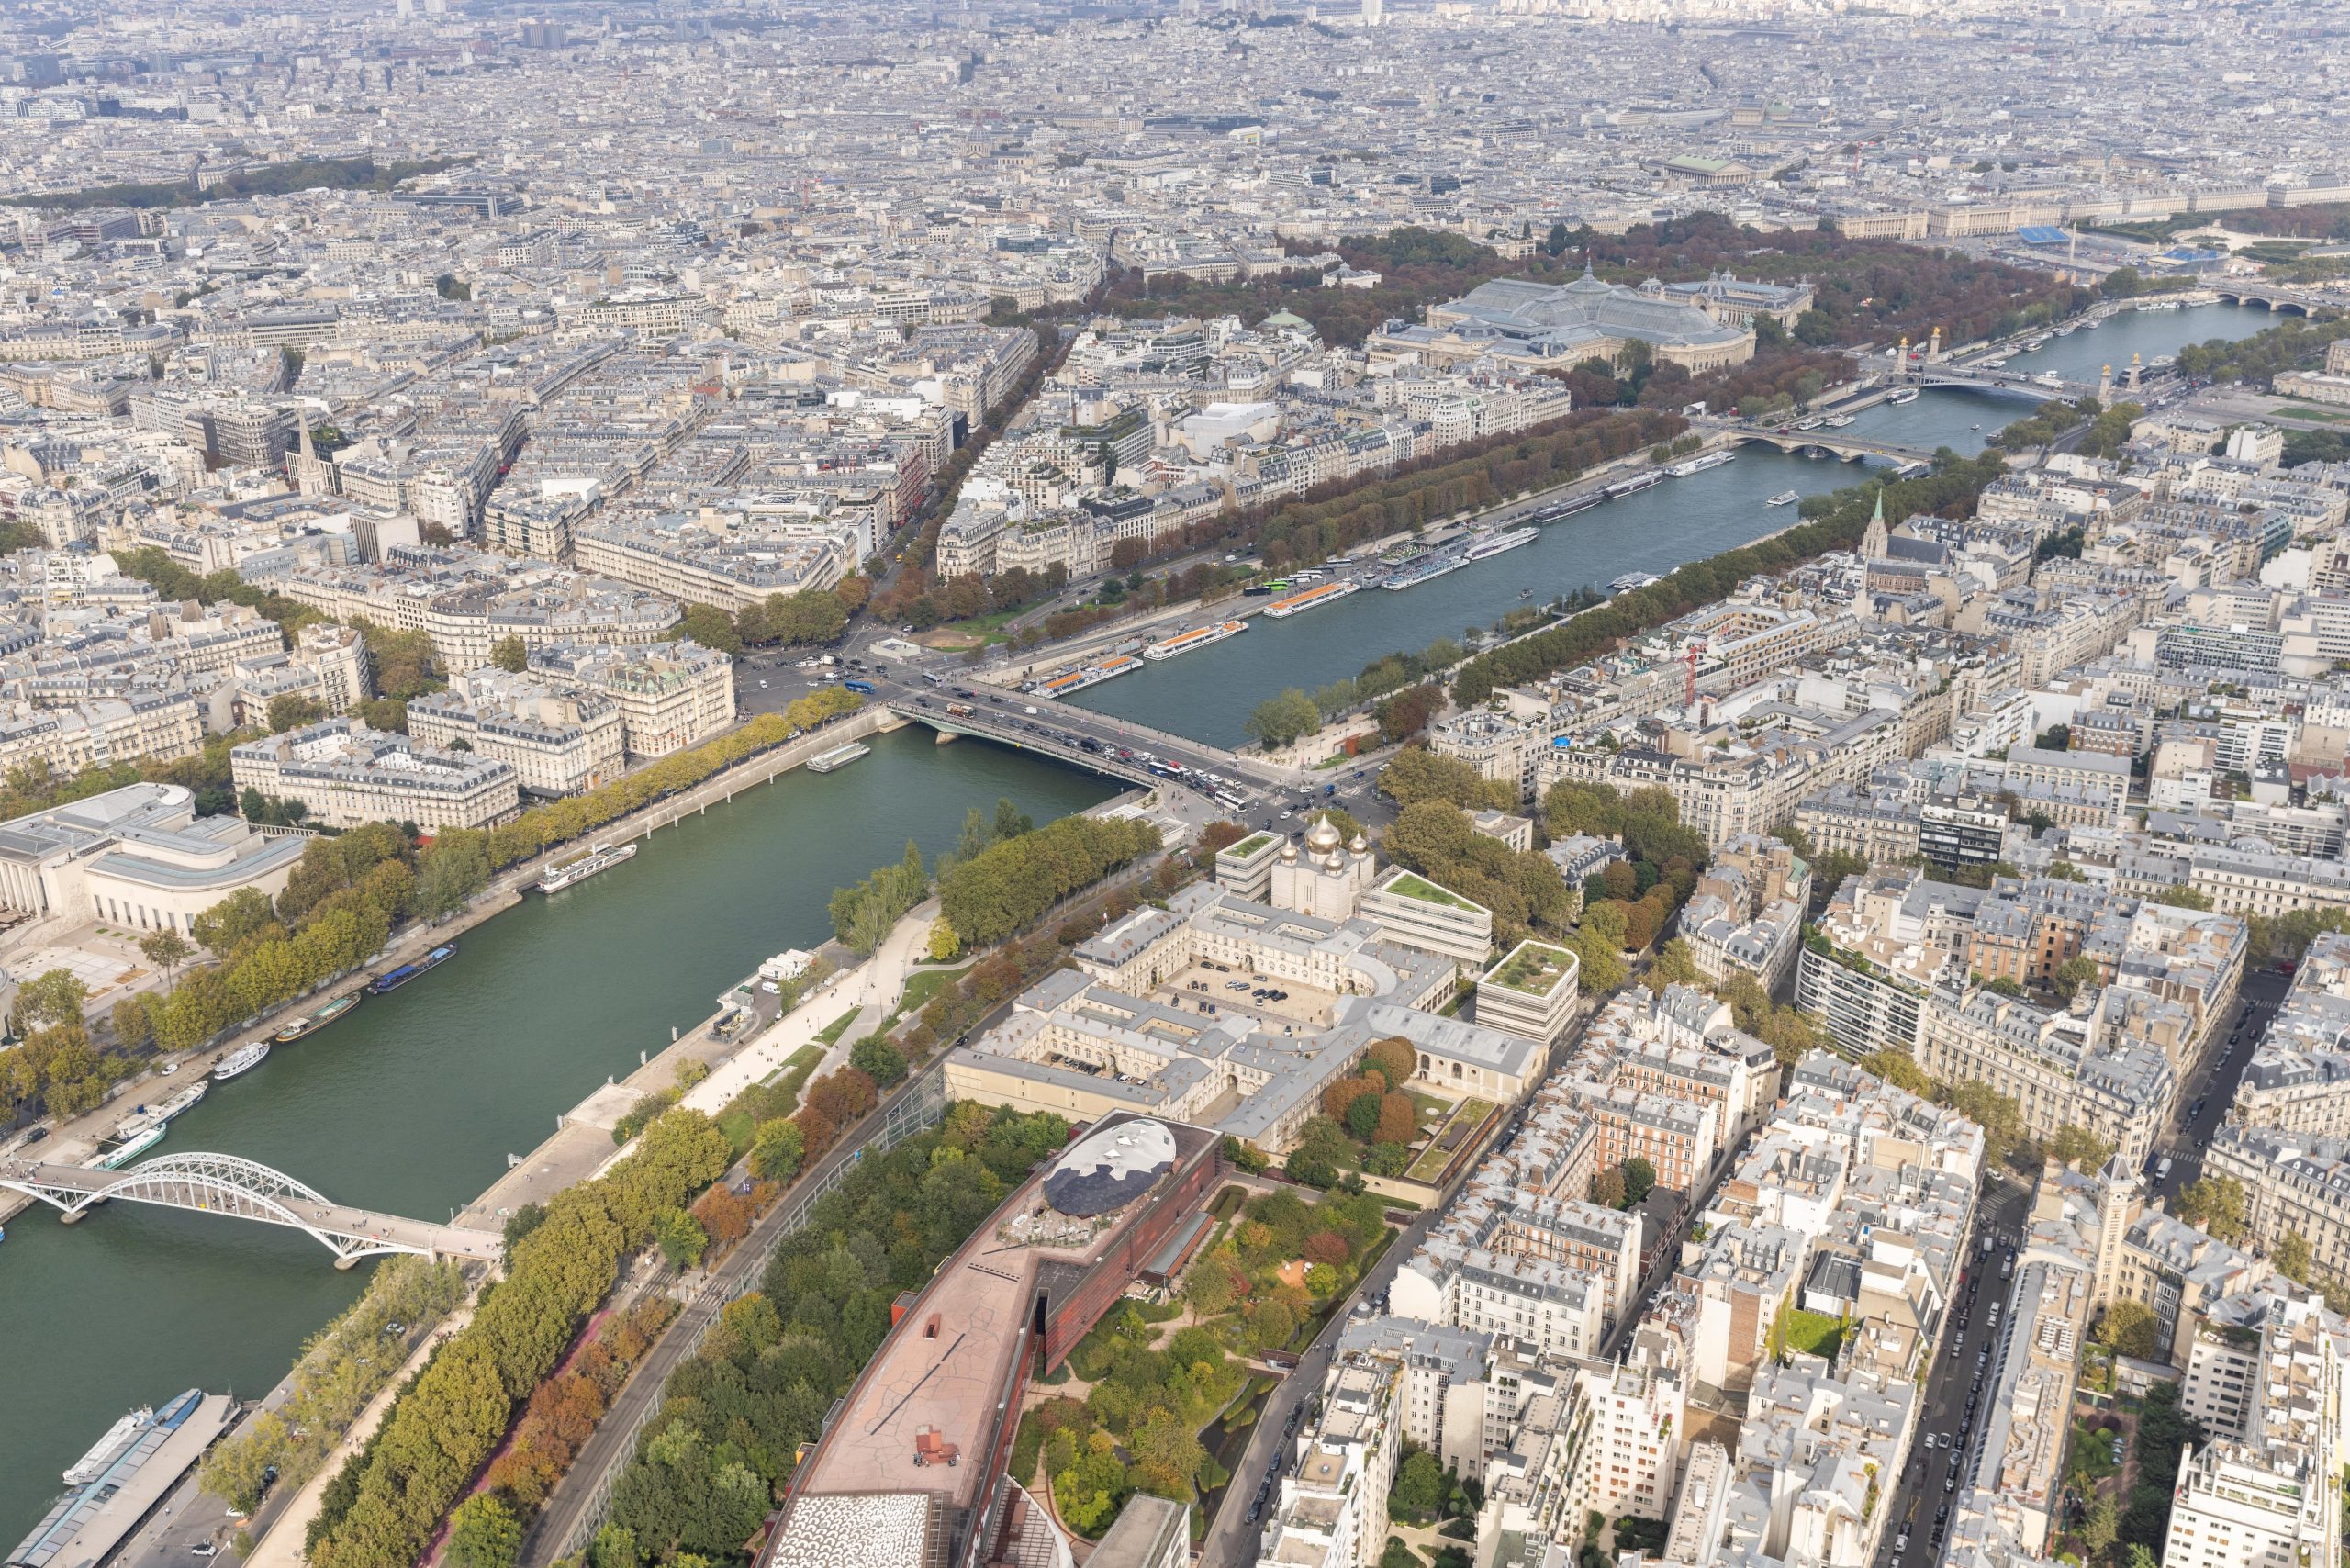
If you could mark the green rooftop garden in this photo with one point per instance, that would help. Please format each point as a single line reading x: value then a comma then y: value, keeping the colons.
x: 1420, y: 888
x: 1532, y: 969
x: 1247, y: 846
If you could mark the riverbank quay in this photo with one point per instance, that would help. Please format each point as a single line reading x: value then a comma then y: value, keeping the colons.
x: 584, y: 1145
x: 1011, y: 668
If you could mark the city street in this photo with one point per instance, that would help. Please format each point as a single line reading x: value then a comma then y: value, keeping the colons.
x: 1959, y: 1383
x: 2204, y: 1098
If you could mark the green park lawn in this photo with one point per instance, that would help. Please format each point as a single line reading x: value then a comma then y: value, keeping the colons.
x: 921, y: 988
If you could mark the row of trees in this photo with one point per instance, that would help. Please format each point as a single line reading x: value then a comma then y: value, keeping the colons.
x: 1398, y: 683
x: 1417, y: 774
x: 782, y: 1143
x: 2294, y: 342
x: 1464, y: 479
x: 341, y: 904
x: 344, y: 1367
x: 381, y: 1509
x: 575, y: 816
x: 733, y: 1415
x: 812, y: 615
x: 1013, y: 882
x: 912, y: 586
x: 349, y: 892
x: 559, y: 1417
x: 1832, y: 522
x: 2052, y: 419
x: 1778, y: 379
x: 173, y: 581
x: 862, y: 915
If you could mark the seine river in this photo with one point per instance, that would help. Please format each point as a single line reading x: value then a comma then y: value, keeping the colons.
x: 411, y: 1104
x: 1208, y: 695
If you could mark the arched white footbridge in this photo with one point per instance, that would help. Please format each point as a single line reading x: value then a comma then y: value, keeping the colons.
x: 242, y: 1189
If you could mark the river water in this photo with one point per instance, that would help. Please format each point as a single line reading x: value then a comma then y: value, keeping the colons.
x: 411, y: 1104
x: 1208, y: 695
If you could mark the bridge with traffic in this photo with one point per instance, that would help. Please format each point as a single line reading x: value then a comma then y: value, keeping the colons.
x: 229, y: 1185
x: 1983, y: 378
x: 2275, y: 296
x: 1119, y: 748
x: 1836, y: 444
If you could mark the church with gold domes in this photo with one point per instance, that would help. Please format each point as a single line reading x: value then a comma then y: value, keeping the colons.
x: 1327, y: 878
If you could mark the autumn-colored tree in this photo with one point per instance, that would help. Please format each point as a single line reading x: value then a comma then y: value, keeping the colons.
x: 1341, y: 1096
x: 1219, y: 836
x: 1395, y: 1058
x: 1326, y: 1247
x: 817, y: 1130
x: 1399, y: 1118
x: 843, y: 1095
x: 724, y: 1213
x: 994, y: 979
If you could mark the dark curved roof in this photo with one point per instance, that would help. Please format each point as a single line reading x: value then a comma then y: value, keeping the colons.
x: 1110, y: 1168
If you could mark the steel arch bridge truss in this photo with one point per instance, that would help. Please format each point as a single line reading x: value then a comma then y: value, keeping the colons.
x: 214, y: 1183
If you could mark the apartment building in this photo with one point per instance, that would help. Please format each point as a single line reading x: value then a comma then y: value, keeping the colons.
x: 559, y: 741
x: 1809, y: 1454
x: 717, y: 556
x: 1531, y: 991
x: 2263, y: 1491
x: 1884, y: 941
x: 2028, y: 1410
x: 467, y: 625
x: 1332, y: 1509
x: 1746, y: 914
x: 1500, y: 746
x: 1631, y: 1459
x: 670, y: 695
x: 2294, y: 1183
x: 2055, y: 1064
x: 70, y: 740
x: 1454, y: 1401
x: 2100, y: 780
x: 347, y: 774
